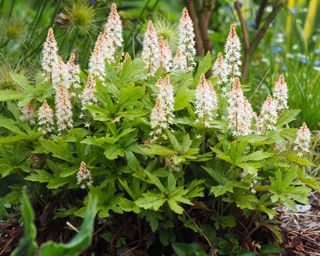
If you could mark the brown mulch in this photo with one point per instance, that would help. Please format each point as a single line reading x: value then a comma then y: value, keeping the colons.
x: 301, y: 229
x: 9, y: 236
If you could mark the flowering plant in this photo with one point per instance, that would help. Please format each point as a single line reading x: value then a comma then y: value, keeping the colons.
x: 154, y: 137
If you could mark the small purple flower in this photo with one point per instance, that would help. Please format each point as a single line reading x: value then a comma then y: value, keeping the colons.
x: 317, y: 63
x: 276, y: 50
x: 317, y: 51
x: 252, y: 23
x: 303, y: 60
x: 293, y: 11
x: 228, y: 8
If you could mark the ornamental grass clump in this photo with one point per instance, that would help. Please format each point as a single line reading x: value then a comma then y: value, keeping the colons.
x: 180, y: 152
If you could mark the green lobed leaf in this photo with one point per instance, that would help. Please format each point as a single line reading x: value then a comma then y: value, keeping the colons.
x: 287, y: 116
x: 9, y: 95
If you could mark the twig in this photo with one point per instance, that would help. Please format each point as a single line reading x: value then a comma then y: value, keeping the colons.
x: 202, y: 234
x: 6, y: 246
x: 264, y: 77
x: 252, y: 46
x: 259, y: 16
x: 72, y: 227
x: 204, y: 24
x: 263, y: 30
x: 244, y: 27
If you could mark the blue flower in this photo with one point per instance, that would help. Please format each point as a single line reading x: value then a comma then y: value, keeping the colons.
x: 252, y: 23
x: 317, y: 63
x: 317, y: 51
x: 293, y: 10
x: 283, y: 68
x: 303, y: 60
x: 276, y: 50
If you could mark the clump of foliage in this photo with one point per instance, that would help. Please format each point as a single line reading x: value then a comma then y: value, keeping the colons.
x: 153, y: 139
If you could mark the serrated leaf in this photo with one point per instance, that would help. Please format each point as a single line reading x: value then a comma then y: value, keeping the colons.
x: 155, y: 150
x: 22, y: 81
x: 245, y: 201
x: 150, y: 201
x: 113, y: 151
x: 9, y: 95
x: 129, y: 95
x: 58, y: 149
x: 128, y: 206
x: 39, y: 176
x: 153, y: 219
x: 287, y: 116
x: 10, y: 125
x: 182, y: 99
x: 155, y: 180
x: 256, y: 156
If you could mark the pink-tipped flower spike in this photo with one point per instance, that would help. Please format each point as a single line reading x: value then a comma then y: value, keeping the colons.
x: 45, y: 118
x: 74, y: 71
x: 166, y: 96
x: 28, y: 112
x: 268, y: 116
x: 97, y: 59
x: 206, y: 101
x: 240, y: 111
x: 112, y: 35
x: 113, y: 27
x: 61, y: 74
x: 108, y: 48
x: 180, y: 61
x: 159, y: 121
x: 233, y: 52
x: 280, y: 94
x: 186, y: 38
x: 165, y: 54
x: 249, y: 113
x: 303, y: 140
x: 49, y: 53
x: 88, y: 95
x: 220, y: 69
x: 150, y: 50
x: 63, y: 109
x: 84, y: 177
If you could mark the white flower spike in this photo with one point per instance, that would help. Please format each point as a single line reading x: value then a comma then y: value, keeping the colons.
x: 280, y: 94
x: 45, y: 118
x: 165, y: 54
x: 220, y: 69
x: 240, y: 111
x: 88, y: 95
x: 49, y: 53
x: 303, y: 140
x: 233, y: 52
x: 206, y: 101
x: 150, y: 50
x: 268, y: 116
x: 186, y: 39
x: 63, y: 109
